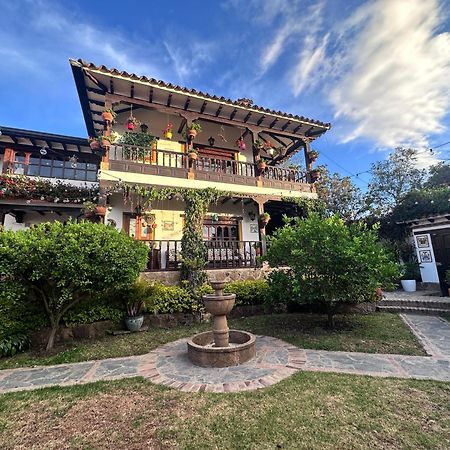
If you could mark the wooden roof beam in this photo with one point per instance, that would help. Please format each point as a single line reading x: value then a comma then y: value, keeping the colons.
x: 111, y: 85
x: 150, y: 95
x: 286, y: 125
x: 273, y: 122
x: 297, y: 128
x: 186, y: 103
x: 182, y: 125
x: 202, y: 109
x: 132, y: 90
x: 233, y: 113
x: 96, y: 82
x: 169, y: 100
x: 247, y: 117
x: 260, y: 120
x: 219, y: 109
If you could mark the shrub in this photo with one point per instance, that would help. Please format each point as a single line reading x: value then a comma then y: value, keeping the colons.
x: 280, y: 289
x: 332, y: 263
x: 90, y: 313
x: 248, y: 292
x: 172, y: 299
x: 65, y: 264
x: 13, y: 344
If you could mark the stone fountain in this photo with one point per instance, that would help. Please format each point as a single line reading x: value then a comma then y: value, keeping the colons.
x: 221, y: 347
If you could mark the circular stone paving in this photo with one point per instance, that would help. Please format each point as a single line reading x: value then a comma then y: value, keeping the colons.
x: 169, y: 365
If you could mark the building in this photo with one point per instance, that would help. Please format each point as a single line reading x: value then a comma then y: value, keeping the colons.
x: 241, y: 151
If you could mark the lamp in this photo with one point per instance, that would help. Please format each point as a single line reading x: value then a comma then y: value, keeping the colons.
x: 43, y: 151
x: 211, y: 141
x: 252, y: 215
x: 271, y: 151
x: 144, y: 128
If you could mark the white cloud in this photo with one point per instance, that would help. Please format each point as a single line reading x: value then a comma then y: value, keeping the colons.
x: 393, y: 84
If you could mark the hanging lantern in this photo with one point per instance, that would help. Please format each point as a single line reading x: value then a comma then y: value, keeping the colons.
x: 144, y: 128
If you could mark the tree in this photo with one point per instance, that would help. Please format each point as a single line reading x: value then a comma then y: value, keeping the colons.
x: 439, y: 175
x: 392, y: 179
x: 340, y: 195
x: 331, y: 262
x: 65, y: 264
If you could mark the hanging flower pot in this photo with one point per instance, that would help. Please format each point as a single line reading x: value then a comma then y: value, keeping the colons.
x: 313, y: 155
x: 264, y: 219
x: 192, y: 134
x: 106, y: 141
x: 132, y: 123
x: 193, y: 129
x: 108, y: 115
x: 168, y: 131
x: 262, y: 165
x: 315, y: 175
x: 131, y: 126
x: 193, y: 155
x: 94, y: 144
x: 241, y: 144
x: 154, y: 225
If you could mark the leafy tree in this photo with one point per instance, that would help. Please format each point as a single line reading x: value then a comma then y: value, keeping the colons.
x: 392, y: 179
x: 439, y: 175
x: 331, y: 262
x: 340, y: 195
x: 65, y: 264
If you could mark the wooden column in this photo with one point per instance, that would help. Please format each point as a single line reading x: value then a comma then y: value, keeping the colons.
x: 107, y: 132
x: 308, y: 161
x: 256, y: 155
x: 8, y: 161
x: 262, y: 230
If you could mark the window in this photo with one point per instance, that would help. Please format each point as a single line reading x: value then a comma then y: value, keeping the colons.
x: 221, y: 230
x: 19, y: 164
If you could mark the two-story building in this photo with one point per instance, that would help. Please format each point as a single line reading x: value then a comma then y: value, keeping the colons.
x: 237, y: 147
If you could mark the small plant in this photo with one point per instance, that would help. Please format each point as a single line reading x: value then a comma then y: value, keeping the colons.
x: 447, y: 277
x: 195, y: 126
x: 313, y: 155
x: 168, y: 131
x: 135, y: 308
x: 410, y: 271
x: 16, y: 343
x: 107, y: 140
x: 95, y: 143
x: 89, y: 208
x: 132, y: 123
x: 264, y: 218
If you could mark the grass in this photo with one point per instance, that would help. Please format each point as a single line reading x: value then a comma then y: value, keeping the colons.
x: 374, y: 333
x: 306, y: 411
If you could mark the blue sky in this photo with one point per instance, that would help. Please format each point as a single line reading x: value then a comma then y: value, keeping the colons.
x: 378, y: 70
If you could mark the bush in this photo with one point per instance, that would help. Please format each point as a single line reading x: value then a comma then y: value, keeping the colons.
x: 65, y: 264
x: 16, y: 343
x: 332, y: 263
x: 90, y: 313
x: 171, y: 299
x: 280, y: 289
x: 248, y: 292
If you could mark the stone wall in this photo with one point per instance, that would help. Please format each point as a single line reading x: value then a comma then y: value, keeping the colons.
x: 172, y: 278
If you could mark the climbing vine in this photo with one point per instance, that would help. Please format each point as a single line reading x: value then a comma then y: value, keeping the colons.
x: 194, y: 256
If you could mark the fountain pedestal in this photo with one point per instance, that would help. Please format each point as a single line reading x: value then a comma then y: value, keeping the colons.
x: 221, y: 347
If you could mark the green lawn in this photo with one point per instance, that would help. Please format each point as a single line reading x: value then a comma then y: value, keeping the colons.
x: 374, y: 333
x: 306, y: 411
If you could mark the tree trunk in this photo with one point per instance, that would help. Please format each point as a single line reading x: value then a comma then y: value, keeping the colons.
x: 51, y: 337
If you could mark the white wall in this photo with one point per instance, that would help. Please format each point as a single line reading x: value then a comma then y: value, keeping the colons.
x: 428, y: 270
x: 33, y: 218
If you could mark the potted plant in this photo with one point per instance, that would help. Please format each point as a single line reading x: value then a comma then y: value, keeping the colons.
x: 410, y: 273
x: 168, y: 131
x: 107, y: 141
x: 193, y: 130
x: 264, y: 219
x: 193, y: 154
x: 95, y: 143
x: 89, y: 209
x: 135, y: 315
x: 100, y: 210
x: 241, y: 144
x: 315, y: 175
x: 132, y: 123
x: 313, y: 155
x: 109, y: 115
x: 262, y: 165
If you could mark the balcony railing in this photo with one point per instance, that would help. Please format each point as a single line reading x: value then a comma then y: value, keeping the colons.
x: 170, y: 163
x: 166, y: 255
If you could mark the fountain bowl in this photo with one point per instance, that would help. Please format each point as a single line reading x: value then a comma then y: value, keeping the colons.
x: 218, y: 306
x: 203, y: 353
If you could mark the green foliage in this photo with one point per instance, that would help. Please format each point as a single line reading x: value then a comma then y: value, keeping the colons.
x: 137, y: 139
x: 248, y: 292
x: 18, y: 186
x: 392, y: 179
x: 19, y: 311
x: 410, y: 271
x: 422, y: 203
x: 447, y: 276
x: 307, y: 206
x: 171, y: 299
x: 439, y: 175
x: 280, y: 289
x: 13, y: 344
x: 65, y: 264
x: 90, y: 313
x: 195, y: 126
x: 331, y: 262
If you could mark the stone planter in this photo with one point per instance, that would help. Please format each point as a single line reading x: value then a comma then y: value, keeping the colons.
x: 409, y: 285
x: 134, y: 323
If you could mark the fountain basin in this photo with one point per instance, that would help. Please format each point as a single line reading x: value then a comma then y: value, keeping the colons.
x: 219, y: 306
x: 202, y: 352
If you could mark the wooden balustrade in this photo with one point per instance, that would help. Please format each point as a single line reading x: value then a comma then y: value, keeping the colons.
x: 177, y: 160
x: 166, y: 255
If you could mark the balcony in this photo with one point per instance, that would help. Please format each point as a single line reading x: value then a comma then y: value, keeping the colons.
x: 166, y: 255
x: 152, y: 161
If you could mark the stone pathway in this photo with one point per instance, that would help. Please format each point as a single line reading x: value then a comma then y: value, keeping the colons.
x: 275, y: 360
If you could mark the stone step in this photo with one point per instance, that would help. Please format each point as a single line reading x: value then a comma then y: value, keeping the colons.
x: 412, y: 310
x: 413, y: 303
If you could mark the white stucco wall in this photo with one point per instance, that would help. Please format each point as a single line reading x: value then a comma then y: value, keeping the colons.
x: 33, y: 218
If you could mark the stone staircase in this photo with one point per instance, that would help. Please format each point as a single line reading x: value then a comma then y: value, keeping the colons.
x: 419, y: 302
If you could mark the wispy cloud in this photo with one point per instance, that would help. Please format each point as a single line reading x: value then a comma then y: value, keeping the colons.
x: 394, y: 85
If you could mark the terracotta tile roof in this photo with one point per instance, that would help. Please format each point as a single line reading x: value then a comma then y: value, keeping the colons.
x: 181, y: 89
